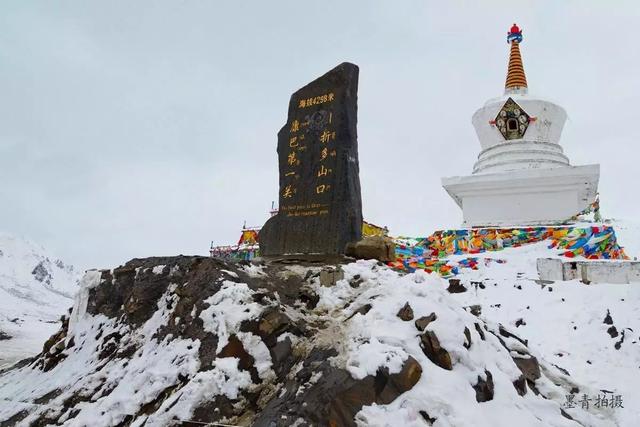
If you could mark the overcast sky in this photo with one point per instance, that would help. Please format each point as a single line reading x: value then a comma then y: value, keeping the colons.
x: 132, y: 129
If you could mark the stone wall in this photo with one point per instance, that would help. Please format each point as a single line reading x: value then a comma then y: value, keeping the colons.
x: 589, y: 271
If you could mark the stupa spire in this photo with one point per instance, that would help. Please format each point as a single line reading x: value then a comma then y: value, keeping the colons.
x: 516, y: 79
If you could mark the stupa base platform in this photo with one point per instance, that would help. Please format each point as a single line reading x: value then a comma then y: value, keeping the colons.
x: 526, y: 197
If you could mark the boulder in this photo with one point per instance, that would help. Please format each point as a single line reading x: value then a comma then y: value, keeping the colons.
x: 455, y: 287
x: 529, y: 367
x: 484, y: 388
x: 374, y: 247
x: 246, y: 362
x: 382, y: 389
x: 467, y: 338
x: 406, y: 312
x: 431, y: 348
x: 423, y: 322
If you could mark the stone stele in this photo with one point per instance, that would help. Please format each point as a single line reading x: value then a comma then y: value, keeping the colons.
x: 320, y: 207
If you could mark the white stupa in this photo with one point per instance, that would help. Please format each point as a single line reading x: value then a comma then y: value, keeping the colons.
x: 522, y: 176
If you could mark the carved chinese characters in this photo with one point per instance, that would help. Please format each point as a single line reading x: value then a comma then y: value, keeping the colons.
x: 320, y: 207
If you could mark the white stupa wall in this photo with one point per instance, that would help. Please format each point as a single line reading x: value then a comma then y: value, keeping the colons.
x: 526, y: 197
x: 539, y: 148
x: 547, y: 127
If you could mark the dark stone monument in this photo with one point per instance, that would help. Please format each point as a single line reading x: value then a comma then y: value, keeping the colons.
x: 320, y: 208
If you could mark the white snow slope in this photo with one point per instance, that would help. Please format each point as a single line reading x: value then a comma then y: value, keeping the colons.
x: 35, y: 290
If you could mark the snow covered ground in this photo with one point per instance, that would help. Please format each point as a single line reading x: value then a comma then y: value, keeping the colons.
x: 628, y: 233
x: 35, y: 290
x: 584, y: 337
x: 564, y: 321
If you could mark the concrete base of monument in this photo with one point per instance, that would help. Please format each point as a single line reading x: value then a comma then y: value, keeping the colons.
x: 525, y: 197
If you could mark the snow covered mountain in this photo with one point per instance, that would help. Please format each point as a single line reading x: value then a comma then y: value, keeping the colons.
x: 193, y: 340
x: 36, y: 289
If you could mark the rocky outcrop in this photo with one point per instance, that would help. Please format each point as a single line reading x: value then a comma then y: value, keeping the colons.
x: 455, y: 287
x: 484, y: 387
x: 406, y: 312
x: 423, y: 322
x: 287, y: 377
x: 337, y: 397
x: 189, y: 340
x: 433, y: 350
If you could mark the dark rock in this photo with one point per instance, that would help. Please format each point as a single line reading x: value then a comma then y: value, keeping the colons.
x: 431, y: 348
x: 484, y: 388
x: 619, y: 343
x: 406, y: 312
x: 467, y: 338
x: 564, y: 371
x: 335, y: 398
x: 234, y: 348
x: 308, y: 297
x: 508, y: 334
x: 4, y: 336
x: 356, y: 281
x: 612, y: 331
x: 455, y: 287
x: 320, y: 203
x: 272, y: 322
x: 374, y: 247
x: 41, y: 273
x: 281, y: 351
x: 564, y: 414
x: 475, y: 309
x: 217, y: 409
x: 53, y: 349
x: 309, y: 274
x: 479, y: 331
x: 520, y: 385
x: 423, y: 322
x: 607, y: 319
x: 109, y: 345
x: 528, y: 366
x: 362, y: 310
x: 390, y: 386
x: 520, y: 322
x: 427, y: 418
x: 381, y: 389
x: 15, y: 419
x: 207, y: 350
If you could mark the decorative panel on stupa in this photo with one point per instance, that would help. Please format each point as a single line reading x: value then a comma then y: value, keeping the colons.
x: 512, y: 121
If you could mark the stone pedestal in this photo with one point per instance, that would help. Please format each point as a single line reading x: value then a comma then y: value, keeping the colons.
x: 524, y: 197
